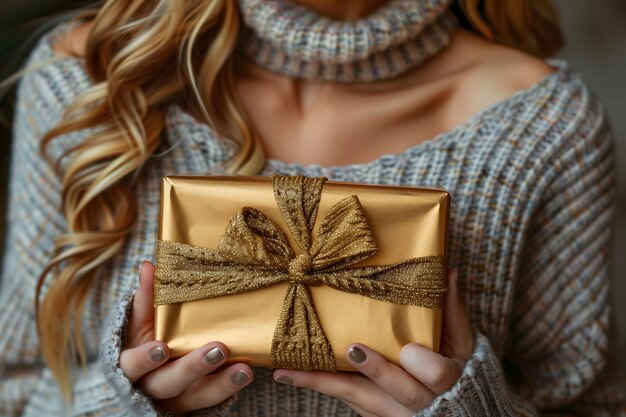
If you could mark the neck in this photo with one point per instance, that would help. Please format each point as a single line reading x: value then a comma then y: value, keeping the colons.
x: 347, y: 10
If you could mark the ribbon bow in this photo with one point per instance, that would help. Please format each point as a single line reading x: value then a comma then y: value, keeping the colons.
x: 254, y: 253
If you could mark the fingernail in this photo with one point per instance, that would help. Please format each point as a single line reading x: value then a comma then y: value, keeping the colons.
x: 240, y: 377
x: 157, y: 354
x: 213, y: 356
x: 140, y: 271
x: 284, y: 379
x: 357, y: 354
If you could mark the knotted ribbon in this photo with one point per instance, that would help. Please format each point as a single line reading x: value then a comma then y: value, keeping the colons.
x: 255, y: 253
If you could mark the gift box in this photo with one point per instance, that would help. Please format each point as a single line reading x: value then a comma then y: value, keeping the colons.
x: 288, y: 271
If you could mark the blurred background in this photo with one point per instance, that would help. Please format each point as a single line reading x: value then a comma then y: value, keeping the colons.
x: 595, y: 32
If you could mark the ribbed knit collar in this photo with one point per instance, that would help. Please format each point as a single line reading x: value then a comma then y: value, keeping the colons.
x: 288, y: 38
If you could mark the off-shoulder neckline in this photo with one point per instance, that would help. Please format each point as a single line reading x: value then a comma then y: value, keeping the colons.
x: 562, y: 70
x: 443, y: 139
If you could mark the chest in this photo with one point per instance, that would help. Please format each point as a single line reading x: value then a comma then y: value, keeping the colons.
x: 339, y: 125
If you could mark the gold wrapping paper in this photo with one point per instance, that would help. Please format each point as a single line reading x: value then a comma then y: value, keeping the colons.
x: 406, y: 223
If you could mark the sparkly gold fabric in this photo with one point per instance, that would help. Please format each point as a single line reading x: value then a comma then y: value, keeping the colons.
x: 254, y: 253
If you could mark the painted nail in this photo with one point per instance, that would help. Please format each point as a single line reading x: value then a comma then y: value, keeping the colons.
x: 357, y: 354
x: 157, y: 354
x: 240, y: 377
x: 284, y: 379
x: 140, y: 270
x: 213, y: 356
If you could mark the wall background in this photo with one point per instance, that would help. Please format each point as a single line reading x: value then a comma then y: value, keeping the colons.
x: 596, y: 47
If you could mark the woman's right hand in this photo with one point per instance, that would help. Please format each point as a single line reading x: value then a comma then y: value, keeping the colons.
x: 182, y: 385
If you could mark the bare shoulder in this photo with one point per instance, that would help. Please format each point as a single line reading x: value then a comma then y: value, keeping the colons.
x: 487, y: 73
x: 73, y: 43
x: 510, y: 67
x: 495, y: 72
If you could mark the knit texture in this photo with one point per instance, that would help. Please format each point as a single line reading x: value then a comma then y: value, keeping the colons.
x: 111, y: 348
x: 288, y: 38
x: 532, y: 186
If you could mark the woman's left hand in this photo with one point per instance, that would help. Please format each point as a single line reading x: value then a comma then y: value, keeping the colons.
x: 385, y: 389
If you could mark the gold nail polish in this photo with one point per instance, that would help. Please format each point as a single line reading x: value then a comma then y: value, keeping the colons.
x: 213, y: 356
x: 240, y: 377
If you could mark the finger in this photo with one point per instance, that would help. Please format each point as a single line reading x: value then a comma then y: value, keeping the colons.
x: 138, y: 361
x: 435, y: 371
x: 458, y: 340
x: 358, y: 409
x: 350, y: 387
x: 211, y: 389
x: 395, y: 381
x: 176, y: 376
x: 141, y: 322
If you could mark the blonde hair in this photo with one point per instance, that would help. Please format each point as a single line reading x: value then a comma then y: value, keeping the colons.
x: 127, y: 42
x: 142, y: 55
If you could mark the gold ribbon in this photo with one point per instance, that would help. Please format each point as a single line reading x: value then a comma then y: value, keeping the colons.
x: 255, y: 253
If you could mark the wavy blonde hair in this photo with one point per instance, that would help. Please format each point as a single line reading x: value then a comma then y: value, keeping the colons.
x: 142, y: 55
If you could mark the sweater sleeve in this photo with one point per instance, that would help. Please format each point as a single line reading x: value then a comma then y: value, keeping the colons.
x: 34, y: 221
x: 562, y: 333
x: 559, y: 361
x: 111, y: 349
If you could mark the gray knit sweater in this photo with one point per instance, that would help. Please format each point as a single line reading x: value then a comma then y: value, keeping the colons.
x: 532, y: 185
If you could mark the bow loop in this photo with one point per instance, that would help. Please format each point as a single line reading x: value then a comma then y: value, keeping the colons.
x: 251, y: 238
x: 344, y: 237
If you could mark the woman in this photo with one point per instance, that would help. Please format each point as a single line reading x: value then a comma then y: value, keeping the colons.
x: 420, y: 92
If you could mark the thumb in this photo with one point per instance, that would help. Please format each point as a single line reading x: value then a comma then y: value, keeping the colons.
x: 458, y: 338
x: 141, y: 323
